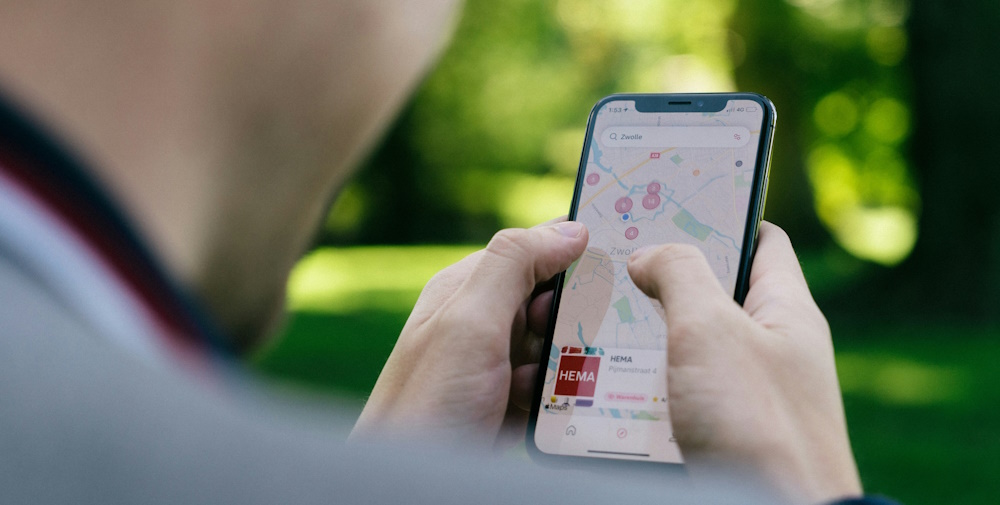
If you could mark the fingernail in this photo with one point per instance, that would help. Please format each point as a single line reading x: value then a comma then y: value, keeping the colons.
x: 639, y: 252
x: 571, y: 229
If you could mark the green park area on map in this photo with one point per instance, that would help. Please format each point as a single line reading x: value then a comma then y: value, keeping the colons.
x: 624, y: 310
x: 685, y: 221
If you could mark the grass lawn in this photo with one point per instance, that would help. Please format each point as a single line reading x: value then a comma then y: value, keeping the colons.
x: 923, y: 403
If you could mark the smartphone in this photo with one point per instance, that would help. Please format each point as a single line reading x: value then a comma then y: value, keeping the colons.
x: 656, y: 168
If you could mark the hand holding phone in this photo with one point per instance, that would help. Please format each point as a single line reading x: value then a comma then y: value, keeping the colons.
x: 449, y: 374
x: 686, y: 169
x: 752, y: 387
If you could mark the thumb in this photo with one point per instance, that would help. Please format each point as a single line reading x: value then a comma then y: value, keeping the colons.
x: 679, y: 277
x: 700, y: 319
x: 516, y: 260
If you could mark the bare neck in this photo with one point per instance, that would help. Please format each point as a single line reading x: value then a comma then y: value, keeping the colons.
x: 223, y: 136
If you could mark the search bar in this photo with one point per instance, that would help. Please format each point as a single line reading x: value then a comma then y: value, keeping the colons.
x: 675, y: 136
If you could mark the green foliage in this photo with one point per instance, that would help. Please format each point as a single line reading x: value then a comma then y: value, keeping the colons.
x: 835, y: 69
x: 493, y: 137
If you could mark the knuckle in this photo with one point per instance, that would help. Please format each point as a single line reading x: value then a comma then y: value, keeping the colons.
x: 683, y: 328
x: 510, y: 250
x: 451, y: 276
x: 707, y: 320
x: 681, y: 262
x: 680, y: 250
x: 771, y: 231
x: 441, y: 280
x: 508, y: 243
x: 678, y: 255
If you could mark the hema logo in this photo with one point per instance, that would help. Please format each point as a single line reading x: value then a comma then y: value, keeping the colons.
x: 577, y: 375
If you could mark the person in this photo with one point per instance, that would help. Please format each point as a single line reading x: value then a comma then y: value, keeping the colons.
x: 214, y: 135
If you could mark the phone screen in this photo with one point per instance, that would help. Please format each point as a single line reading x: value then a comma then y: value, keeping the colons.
x: 652, y: 175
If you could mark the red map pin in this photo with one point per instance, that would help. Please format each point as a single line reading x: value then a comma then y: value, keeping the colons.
x: 623, y: 205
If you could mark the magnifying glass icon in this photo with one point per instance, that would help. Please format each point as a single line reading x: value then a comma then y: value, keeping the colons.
x: 613, y: 136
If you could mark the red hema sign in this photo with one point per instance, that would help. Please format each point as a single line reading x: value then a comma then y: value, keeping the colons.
x: 577, y: 375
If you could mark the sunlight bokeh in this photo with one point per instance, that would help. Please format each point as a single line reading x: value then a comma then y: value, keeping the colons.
x: 344, y: 280
x: 494, y: 135
x: 862, y: 184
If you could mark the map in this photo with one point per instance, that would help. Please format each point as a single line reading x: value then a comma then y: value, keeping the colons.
x: 643, y: 185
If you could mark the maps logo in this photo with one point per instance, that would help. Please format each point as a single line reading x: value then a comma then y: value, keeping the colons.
x: 577, y: 375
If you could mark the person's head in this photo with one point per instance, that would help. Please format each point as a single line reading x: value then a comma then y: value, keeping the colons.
x: 223, y: 127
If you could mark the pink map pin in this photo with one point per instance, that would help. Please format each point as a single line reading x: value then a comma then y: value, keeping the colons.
x: 631, y: 233
x: 593, y: 178
x: 623, y: 205
x: 651, y: 201
x: 654, y: 187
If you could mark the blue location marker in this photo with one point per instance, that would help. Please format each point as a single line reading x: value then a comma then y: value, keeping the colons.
x: 625, y: 216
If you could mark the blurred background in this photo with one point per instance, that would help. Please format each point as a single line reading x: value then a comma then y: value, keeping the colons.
x: 884, y: 176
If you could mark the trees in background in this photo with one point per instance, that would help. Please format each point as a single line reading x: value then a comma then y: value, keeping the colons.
x: 874, y: 101
x: 955, y: 267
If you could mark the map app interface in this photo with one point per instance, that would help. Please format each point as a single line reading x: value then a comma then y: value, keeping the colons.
x: 650, y: 178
